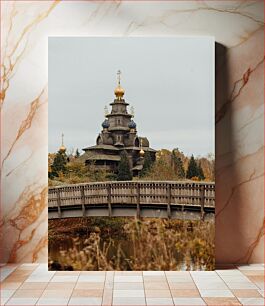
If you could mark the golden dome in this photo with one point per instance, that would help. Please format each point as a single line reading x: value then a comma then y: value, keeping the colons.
x: 62, y: 148
x: 142, y: 152
x: 119, y: 92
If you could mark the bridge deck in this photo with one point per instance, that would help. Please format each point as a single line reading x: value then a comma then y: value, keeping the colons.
x: 131, y: 198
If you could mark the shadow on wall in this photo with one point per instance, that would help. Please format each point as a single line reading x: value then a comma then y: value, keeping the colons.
x: 228, y: 224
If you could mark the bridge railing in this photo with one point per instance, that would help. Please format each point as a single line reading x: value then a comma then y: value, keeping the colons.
x: 134, y: 192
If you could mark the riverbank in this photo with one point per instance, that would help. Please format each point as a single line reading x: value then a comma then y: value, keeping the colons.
x: 104, y: 243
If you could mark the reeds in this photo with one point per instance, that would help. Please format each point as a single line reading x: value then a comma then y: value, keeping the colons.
x: 105, y: 243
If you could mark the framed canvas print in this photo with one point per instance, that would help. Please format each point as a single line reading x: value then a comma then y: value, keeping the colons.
x: 131, y: 153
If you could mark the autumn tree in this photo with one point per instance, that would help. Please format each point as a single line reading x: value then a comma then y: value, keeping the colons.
x: 200, y: 172
x: 192, y: 170
x: 147, y: 164
x: 178, y: 165
x: 59, y: 164
x: 124, y: 172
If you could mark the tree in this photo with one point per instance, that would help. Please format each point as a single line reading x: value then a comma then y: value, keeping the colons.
x: 77, y: 153
x: 200, y: 172
x: 192, y: 170
x: 124, y: 172
x: 147, y: 164
x: 59, y: 164
x: 178, y: 165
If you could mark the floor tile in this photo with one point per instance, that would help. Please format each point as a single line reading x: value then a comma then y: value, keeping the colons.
x: 39, y: 278
x: 3, y: 300
x: 241, y: 285
x: 22, y: 301
x: 87, y: 293
x: 28, y: 293
x: 256, y: 278
x: 68, y: 273
x: 153, y: 273
x: 33, y: 286
x: 10, y: 285
x: 216, y: 293
x: 129, y: 286
x: 149, y: 293
x: 88, y: 285
x: 96, y: 273
x: 56, y: 293
x: 246, y: 293
x: 128, y: 279
x: 85, y: 301
x: 123, y: 301
x: 235, y: 278
x: 211, y: 285
x: 156, y: 285
x: 107, y: 297
x: 250, y: 267
x: 218, y: 301
x: 129, y: 273
x: 91, y: 278
x: 128, y: 293
x: 253, y: 272
x: 182, y: 293
x: 6, y: 293
x: 154, y: 278
x: 53, y: 301
x: 182, y: 286
x: 159, y: 301
x: 61, y: 286
x: 261, y: 292
x: 64, y: 279
x: 188, y: 301
x: 232, y: 272
x: 252, y: 301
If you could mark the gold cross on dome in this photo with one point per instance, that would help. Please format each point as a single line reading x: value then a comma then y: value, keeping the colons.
x: 119, y: 76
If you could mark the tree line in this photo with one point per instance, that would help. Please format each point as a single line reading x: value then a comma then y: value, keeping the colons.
x: 169, y: 165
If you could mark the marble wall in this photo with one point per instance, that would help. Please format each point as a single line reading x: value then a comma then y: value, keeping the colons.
x: 238, y: 29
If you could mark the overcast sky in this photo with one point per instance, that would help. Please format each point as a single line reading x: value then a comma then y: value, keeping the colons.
x: 169, y: 81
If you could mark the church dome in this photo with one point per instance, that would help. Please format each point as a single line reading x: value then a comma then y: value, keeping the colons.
x: 119, y: 92
x: 132, y: 124
x: 105, y: 124
x: 62, y: 148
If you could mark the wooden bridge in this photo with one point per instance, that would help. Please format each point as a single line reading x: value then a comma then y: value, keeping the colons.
x: 172, y: 199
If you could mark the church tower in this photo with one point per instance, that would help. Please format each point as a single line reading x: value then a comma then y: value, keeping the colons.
x: 118, y: 133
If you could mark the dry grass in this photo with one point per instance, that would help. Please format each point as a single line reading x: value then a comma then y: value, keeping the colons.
x: 129, y: 244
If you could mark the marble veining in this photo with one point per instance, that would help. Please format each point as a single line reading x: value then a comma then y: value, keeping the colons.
x: 238, y: 28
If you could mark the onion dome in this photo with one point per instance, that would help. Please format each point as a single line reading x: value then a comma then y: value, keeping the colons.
x: 119, y: 92
x: 105, y: 124
x: 62, y: 148
x: 132, y: 124
x: 141, y: 152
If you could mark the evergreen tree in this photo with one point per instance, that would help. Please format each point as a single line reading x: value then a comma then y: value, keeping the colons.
x: 77, y: 153
x: 178, y: 165
x: 147, y: 164
x: 200, y: 172
x: 192, y: 170
x: 124, y: 172
x: 59, y: 163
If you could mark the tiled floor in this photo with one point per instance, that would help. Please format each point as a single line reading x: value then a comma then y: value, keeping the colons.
x: 32, y: 284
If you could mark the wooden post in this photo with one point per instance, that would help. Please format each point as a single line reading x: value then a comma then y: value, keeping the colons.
x: 82, y: 190
x: 138, y: 201
x: 202, y: 199
x: 109, y: 199
x: 168, y: 200
x: 59, y: 203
